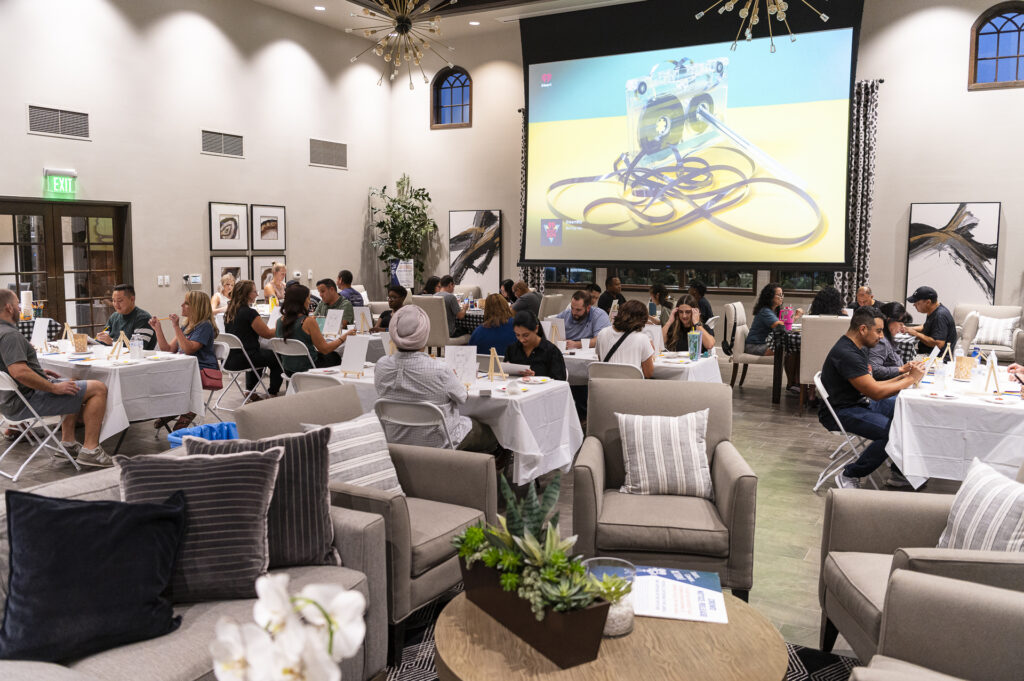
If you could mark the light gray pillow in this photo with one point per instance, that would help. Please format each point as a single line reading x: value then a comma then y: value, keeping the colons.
x: 226, y: 503
x: 987, y: 512
x: 666, y: 454
x: 359, y: 454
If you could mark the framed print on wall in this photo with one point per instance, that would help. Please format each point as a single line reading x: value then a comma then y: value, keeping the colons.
x: 263, y: 269
x: 229, y: 226
x: 237, y: 265
x: 268, y: 228
x: 474, y: 248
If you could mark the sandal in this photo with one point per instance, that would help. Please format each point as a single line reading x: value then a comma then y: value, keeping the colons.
x: 184, y: 421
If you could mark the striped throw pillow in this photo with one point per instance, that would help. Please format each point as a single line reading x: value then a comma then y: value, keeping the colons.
x: 226, y: 502
x: 299, y: 525
x: 987, y: 513
x: 993, y: 331
x: 359, y: 454
x: 666, y: 454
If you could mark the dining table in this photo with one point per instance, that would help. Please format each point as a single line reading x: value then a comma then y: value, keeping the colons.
x: 670, y: 366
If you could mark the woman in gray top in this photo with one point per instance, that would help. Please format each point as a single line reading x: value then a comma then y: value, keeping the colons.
x: 884, y: 358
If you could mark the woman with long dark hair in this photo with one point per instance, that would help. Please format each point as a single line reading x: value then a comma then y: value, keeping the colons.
x: 885, y: 359
x: 766, y: 318
x: 827, y: 302
x: 241, y: 320
x: 685, y: 318
x: 497, y: 330
x: 624, y: 342
x: 506, y: 291
x: 296, y: 323
x: 533, y: 349
x: 663, y: 304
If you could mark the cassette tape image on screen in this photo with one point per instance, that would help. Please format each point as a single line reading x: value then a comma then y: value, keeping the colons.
x: 663, y: 108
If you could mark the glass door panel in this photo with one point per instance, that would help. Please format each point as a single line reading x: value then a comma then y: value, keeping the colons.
x: 90, y: 268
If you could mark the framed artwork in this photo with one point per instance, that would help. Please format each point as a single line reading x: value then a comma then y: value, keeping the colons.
x: 229, y: 226
x: 263, y: 269
x: 237, y: 265
x: 954, y: 248
x: 268, y: 228
x: 474, y: 248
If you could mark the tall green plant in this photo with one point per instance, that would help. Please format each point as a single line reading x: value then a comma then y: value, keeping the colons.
x: 402, y: 223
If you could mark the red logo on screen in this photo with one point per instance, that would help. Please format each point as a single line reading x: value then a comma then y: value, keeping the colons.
x: 551, y: 232
x: 545, y: 80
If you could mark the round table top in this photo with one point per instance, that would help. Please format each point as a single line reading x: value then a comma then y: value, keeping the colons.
x: 472, y: 646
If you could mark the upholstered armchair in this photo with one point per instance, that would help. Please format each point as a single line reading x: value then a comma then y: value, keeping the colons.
x: 663, y: 530
x: 736, y: 331
x: 868, y: 534
x: 819, y: 333
x: 967, y: 324
x: 941, y: 629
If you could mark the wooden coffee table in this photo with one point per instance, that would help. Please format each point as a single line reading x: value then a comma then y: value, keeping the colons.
x: 473, y: 646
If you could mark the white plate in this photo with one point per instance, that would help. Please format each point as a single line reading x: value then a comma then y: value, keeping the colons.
x: 1003, y: 399
x: 323, y: 371
x: 534, y: 379
x: 87, y: 353
x: 512, y: 389
x: 941, y: 396
x: 159, y: 357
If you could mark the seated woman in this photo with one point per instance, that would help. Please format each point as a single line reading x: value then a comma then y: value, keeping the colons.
x: 220, y: 299
x: 243, y: 321
x: 396, y: 298
x: 659, y: 296
x: 624, y: 342
x: 497, y: 330
x: 195, y: 338
x: 766, y: 319
x: 885, y: 359
x: 533, y: 349
x: 430, y: 285
x: 296, y: 323
x: 828, y: 302
x: 506, y: 291
x: 275, y: 287
x: 685, y: 318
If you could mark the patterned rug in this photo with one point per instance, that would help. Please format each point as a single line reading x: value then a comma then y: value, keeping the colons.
x: 805, y: 664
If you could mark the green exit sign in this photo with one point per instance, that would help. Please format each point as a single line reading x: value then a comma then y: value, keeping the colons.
x: 61, y: 185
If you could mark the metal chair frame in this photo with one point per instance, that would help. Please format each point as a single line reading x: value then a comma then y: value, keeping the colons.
x: 853, y: 445
x: 235, y: 343
x: 290, y: 347
x: 413, y: 414
x: 28, y: 424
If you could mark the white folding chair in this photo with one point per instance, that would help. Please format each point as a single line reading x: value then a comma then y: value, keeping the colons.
x: 235, y: 343
x: 219, y: 318
x: 711, y: 322
x: 848, y: 451
x: 290, y: 347
x: 303, y: 382
x: 613, y: 370
x: 415, y: 414
x: 221, y: 350
x: 28, y: 424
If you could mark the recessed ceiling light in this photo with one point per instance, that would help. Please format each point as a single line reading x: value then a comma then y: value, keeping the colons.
x: 474, y: 23
x: 319, y: 8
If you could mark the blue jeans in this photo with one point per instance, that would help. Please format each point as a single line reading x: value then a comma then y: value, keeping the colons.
x: 873, y: 423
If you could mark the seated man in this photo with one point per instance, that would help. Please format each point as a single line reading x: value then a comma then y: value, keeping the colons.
x: 863, y: 405
x: 46, y: 392
x: 134, y: 321
x: 453, y: 309
x: 396, y: 298
x: 526, y: 299
x: 410, y: 375
x: 865, y: 297
x: 582, y: 320
x: 330, y: 299
x: 612, y: 294
x: 938, y: 328
x: 346, y: 291
x: 595, y: 293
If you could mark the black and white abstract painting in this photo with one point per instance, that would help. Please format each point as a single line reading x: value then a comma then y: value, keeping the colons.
x: 474, y: 248
x: 953, y: 248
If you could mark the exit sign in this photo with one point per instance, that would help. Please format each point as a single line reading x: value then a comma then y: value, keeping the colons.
x: 64, y: 185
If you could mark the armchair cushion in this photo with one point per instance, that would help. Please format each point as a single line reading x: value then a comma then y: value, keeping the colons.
x: 661, y: 523
x: 359, y: 454
x: 996, y: 331
x: 858, y: 582
x: 987, y: 513
x: 666, y: 454
x: 432, y: 525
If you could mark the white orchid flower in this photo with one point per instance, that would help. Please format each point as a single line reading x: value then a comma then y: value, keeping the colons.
x: 239, y: 652
x: 308, y: 661
x: 273, y: 605
x: 346, y: 628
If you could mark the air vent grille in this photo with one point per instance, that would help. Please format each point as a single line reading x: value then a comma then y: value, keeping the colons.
x: 49, y: 121
x: 222, y: 143
x: 324, y: 153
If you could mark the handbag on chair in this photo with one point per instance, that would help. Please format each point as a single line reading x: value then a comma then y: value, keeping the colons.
x: 212, y: 379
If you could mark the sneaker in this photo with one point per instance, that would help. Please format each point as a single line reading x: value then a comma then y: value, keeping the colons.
x: 73, y: 449
x: 96, y: 457
x: 844, y: 482
x: 897, y: 480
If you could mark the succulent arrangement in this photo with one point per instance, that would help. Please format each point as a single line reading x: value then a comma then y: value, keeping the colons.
x: 532, y: 558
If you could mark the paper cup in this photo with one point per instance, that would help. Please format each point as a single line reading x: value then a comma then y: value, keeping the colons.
x: 561, y: 345
x: 585, y: 342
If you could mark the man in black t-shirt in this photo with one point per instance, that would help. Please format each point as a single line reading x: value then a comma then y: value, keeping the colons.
x: 863, y: 405
x: 939, y: 329
x: 612, y: 293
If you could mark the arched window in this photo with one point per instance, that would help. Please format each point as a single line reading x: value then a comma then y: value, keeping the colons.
x: 451, y: 104
x: 997, y: 48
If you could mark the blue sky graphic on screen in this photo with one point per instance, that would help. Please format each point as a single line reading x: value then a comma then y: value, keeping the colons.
x: 692, y: 154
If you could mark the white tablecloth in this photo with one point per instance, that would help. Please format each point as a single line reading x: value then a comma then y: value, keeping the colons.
x: 937, y: 438
x: 540, y: 425
x: 676, y: 369
x: 374, y: 351
x: 145, y: 390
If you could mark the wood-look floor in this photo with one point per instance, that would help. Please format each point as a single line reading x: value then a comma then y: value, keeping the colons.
x: 786, y: 449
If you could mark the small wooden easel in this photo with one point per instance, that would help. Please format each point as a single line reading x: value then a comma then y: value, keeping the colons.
x: 68, y: 333
x: 492, y: 371
x: 121, y: 343
x: 993, y: 373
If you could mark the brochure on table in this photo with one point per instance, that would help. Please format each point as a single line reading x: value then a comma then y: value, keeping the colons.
x: 355, y: 353
x: 332, y: 325
x: 363, y: 319
x: 679, y: 594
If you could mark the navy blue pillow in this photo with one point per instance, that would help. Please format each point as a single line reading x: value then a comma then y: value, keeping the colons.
x: 87, y: 576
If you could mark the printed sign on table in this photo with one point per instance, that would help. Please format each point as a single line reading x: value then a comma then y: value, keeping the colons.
x: 355, y: 353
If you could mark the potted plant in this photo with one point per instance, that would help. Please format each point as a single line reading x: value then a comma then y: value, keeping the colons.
x: 402, y: 223
x: 522, y: 573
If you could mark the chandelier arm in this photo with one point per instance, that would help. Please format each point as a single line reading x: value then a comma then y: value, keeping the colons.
x: 363, y: 52
x: 813, y: 8
x: 439, y: 42
x: 771, y: 37
x: 701, y: 14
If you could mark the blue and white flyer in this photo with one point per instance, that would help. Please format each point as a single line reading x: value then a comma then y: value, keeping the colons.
x: 678, y: 594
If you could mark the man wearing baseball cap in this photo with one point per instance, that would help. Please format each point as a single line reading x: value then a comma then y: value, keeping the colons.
x: 938, y: 330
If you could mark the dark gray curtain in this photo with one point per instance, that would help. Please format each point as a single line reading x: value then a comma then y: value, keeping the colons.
x: 862, y: 186
x: 533, y: 276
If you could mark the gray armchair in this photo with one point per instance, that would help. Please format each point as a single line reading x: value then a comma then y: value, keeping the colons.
x: 967, y: 324
x: 868, y: 534
x: 445, y: 492
x: 941, y: 629
x: 662, y: 530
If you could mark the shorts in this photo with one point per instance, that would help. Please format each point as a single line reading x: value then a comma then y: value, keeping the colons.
x: 755, y: 348
x: 48, y: 404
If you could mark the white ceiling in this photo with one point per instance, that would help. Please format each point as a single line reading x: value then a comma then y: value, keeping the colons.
x: 337, y: 14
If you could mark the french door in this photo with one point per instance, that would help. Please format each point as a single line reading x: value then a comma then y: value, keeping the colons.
x: 69, y: 255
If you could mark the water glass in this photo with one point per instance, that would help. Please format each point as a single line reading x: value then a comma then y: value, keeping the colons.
x: 620, y: 614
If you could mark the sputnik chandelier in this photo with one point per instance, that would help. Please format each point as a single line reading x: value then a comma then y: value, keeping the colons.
x: 407, y: 32
x: 749, y: 17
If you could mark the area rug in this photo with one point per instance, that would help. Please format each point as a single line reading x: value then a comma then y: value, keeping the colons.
x: 805, y: 664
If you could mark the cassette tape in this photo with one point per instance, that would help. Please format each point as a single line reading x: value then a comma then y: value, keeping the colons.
x: 661, y: 108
